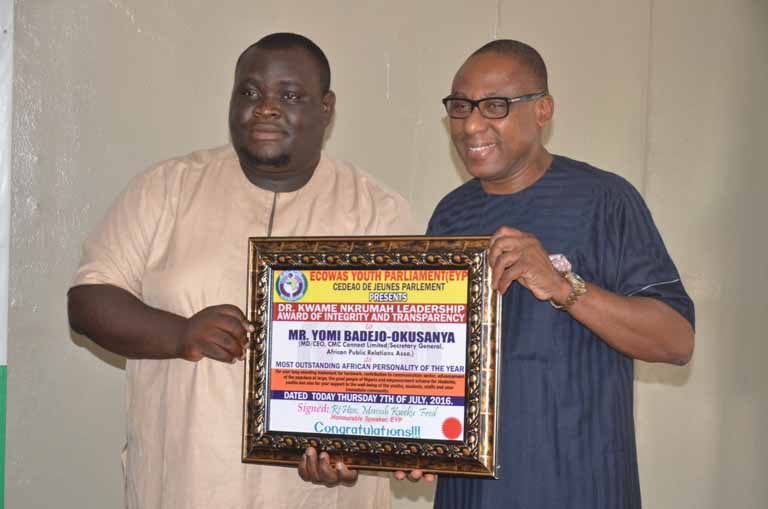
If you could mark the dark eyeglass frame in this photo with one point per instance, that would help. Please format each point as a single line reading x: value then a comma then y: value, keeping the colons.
x: 476, y: 104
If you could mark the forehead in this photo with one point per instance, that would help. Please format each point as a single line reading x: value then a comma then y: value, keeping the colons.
x: 279, y: 65
x: 491, y: 73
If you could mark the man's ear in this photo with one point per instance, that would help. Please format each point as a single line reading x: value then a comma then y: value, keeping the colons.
x: 545, y: 108
x: 329, y: 105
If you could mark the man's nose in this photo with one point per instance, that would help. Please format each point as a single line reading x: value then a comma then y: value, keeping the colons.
x: 267, y: 107
x: 475, y: 122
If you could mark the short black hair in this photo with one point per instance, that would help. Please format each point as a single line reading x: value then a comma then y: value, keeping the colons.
x: 524, y: 54
x: 287, y: 40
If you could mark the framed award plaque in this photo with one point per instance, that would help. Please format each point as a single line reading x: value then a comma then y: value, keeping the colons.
x: 382, y: 351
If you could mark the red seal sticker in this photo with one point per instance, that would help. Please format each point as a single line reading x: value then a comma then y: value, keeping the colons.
x: 451, y: 428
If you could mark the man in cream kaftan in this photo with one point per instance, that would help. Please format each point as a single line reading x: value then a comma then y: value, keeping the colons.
x: 163, y: 278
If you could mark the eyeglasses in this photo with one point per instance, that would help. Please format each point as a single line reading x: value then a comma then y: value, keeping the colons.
x: 490, y: 107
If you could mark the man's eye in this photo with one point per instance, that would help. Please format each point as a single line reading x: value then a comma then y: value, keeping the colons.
x: 291, y: 97
x: 251, y: 93
x: 495, y: 106
x: 459, y: 106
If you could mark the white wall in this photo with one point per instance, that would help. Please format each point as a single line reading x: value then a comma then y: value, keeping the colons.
x: 669, y: 94
x: 700, y: 429
x: 6, y: 96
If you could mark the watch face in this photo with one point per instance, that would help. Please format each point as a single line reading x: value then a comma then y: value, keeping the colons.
x: 577, y: 283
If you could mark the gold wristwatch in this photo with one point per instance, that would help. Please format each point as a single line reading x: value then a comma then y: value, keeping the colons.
x: 578, y: 286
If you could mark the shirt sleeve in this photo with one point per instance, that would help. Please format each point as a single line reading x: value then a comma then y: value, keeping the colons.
x: 393, y: 216
x: 640, y: 261
x: 118, y: 250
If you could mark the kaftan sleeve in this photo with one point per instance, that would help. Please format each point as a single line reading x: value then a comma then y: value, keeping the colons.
x: 636, y: 255
x: 118, y: 250
x: 395, y: 217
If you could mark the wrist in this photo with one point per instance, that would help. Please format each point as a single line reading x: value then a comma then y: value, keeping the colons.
x: 572, y: 287
x: 175, y: 332
x: 578, y: 288
x: 563, y: 291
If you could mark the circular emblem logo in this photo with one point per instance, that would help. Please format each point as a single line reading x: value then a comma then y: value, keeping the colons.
x: 291, y: 285
x: 451, y: 428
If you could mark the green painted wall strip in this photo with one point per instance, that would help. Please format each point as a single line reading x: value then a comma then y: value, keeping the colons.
x: 3, y: 380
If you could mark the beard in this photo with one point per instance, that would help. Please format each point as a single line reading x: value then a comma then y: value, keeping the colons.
x: 276, y: 161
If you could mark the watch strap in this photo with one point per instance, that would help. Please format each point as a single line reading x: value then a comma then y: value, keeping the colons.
x: 578, y: 288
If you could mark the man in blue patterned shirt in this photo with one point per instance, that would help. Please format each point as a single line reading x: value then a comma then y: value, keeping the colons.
x: 588, y: 287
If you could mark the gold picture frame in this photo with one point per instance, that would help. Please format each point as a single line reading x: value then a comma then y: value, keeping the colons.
x: 471, y: 453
